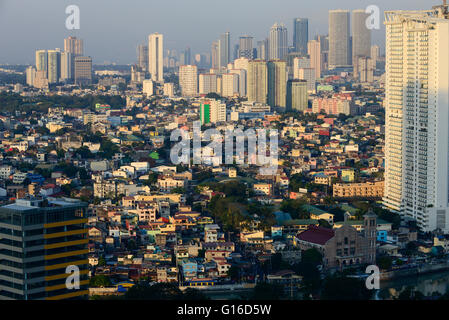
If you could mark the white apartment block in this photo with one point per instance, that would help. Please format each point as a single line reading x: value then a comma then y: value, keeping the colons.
x: 230, y: 84
x: 417, y: 116
x: 156, y: 57
x: 207, y: 83
x: 188, y: 80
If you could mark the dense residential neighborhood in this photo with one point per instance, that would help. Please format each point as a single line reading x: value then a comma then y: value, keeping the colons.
x: 277, y: 173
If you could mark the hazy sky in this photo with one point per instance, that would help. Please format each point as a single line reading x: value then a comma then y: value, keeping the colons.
x: 112, y: 29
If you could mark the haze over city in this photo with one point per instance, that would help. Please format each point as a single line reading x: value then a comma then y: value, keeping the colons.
x: 112, y: 29
x: 237, y: 151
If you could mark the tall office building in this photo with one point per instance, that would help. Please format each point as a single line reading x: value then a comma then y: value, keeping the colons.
x: 230, y: 84
x: 277, y: 42
x: 324, y: 46
x: 308, y: 74
x: 188, y: 80
x: 257, y: 81
x: 207, y: 83
x: 39, y: 239
x: 262, y: 49
x: 361, y: 35
x: 297, y: 96
x: 156, y: 57
x: 67, y: 66
x: 241, y: 67
x: 365, y: 69
x: 215, y: 55
x: 42, y: 61
x: 142, y: 56
x: 300, y: 35
x: 30, y: 75
x: 224, y: 49
x: 54, y: 63
x: 300, y: 63
x: 416, y: 106
x: 375, y: 54
x: 187, y: 56
x: 236, y: 52
x: 314, y: 51
x: 74, y: 46
x: 246, y: 49
x: 339, y: 39
x: 83, y: 70
x: 277, y: 83
x: 241, y: 73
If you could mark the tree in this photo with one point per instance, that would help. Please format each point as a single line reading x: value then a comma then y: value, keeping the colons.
x: 234, y: 273
x: 410, y: 294
x: 100, y: 281
x: 312, y: 256
x: 101, y: 261
x: 324, y: 223
x: 266, y: 291
x: 159, y: 291
x: 194, y: 294
x: 131, y: 245
x: 108, y: 149
x: 213, y: 95
x: 384, y: 262
x: 84, y: 152
x: 295, y: 209
x: 179, y: 190
x: 339, y: 287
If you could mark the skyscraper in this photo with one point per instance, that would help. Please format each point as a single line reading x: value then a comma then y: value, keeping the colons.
x: 67, y: 66
x: 277, y: 42
x: 50, y: 236
x: 30, y: 75
x: 42, y: 61
x: 215, y: 55
x: 277, y: 83
x: 300, y: 63
x: 257, y: 81
x: 54, y: 62
x: 224, y: 48
x: 156, y: 57
x: 375, y: 54
x: 230, y: 84
x: 207, y: 83
x: 142, y: 56
x: 416, y: 106
x: 246, y: 47
x: 361, y: 35
x: 83, y: 70
x: 262, y: 49
x: 74, y: 46
x: 308, y: 74
x: 300, y: 35
x: 314, y: 51
x: 365, y: 69
x: 241, y: 66
x: 187, y: 56
x: 188, y: 80
x: 297, y: 96
x: 339, y: 39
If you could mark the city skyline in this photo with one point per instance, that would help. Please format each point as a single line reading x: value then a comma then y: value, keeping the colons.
x: 100, y: 34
